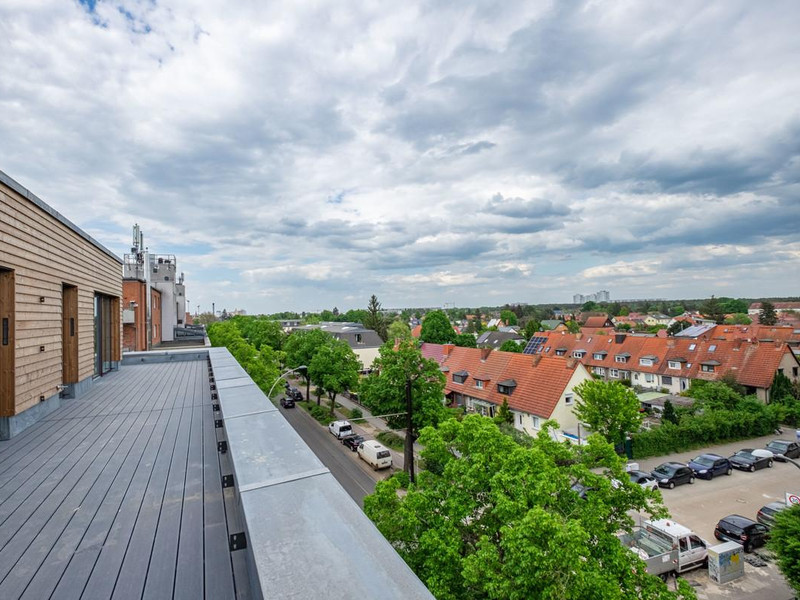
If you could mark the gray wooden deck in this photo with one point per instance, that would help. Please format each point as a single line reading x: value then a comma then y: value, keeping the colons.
x: 118, y: 494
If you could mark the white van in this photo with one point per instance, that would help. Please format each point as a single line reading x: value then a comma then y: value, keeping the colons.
x: 340, y: 429
x: 375, y: 454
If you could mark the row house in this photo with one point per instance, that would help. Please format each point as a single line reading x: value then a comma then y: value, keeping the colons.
x: 536, y: 387
x: 672, y: 363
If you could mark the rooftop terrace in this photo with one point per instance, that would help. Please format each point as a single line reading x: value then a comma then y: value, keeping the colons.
x: 119, y: 494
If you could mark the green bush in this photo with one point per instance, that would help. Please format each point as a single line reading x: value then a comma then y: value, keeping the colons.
x: 391, y: 440
x: 402, y: 479
x: 320, y: 413
x: 356, y: 414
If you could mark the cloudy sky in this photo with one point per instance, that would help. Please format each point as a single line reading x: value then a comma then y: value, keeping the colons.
x: 304, y: 155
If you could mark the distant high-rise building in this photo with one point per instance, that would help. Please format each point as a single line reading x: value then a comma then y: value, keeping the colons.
x: 601, y: 296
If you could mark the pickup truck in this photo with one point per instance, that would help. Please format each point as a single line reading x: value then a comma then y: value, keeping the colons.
x: 667, y: 547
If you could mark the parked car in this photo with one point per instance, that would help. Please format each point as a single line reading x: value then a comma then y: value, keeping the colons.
x: 296, y: 394
x: 375, y: 454
x: 340, y: 429
x: 747, y: 461
x: 744, y: 531
x: 353, y: 441
x: 766, y: 514
x: 670, y: 474
x: 706, y: 466
x: 643, y: 479
x: 786, y: 448
x: 287, y: 402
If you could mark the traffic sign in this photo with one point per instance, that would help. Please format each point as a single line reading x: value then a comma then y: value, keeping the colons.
x: 792, y: 499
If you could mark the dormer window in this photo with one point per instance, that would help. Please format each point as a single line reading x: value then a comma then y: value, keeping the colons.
x: 561, y: 351
x: 708, y: 366
x: 479, y: 384
x: 674, y: 364
x: 460, y: 376
x: 600, y: 355
x: 506, y: 386
x: 579, y: 353
x: 622, y: 358
x: 645, y: 362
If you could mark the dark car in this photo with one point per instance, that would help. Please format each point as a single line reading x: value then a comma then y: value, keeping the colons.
x: 766, y: 514
x: 786, y: 448
x: 744, y: 531
x: 670, y: 474
x: 352, y: 441
x: 295, y: 394
x: 747, y: 461
x: 706, y: 466
x: 287, y: 402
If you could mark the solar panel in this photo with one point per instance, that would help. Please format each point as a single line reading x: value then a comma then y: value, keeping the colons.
x: 534, y: 346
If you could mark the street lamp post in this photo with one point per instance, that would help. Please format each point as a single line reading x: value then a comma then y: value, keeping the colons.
x: 282, y: 375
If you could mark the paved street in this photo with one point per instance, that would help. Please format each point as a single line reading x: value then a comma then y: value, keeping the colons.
x: 353, y: 474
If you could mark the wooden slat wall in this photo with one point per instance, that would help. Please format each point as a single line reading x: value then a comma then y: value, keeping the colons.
x: 45, y: 254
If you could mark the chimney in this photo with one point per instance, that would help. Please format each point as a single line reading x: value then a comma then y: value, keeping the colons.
x: 485, y: 352
x: 537, y: 358
x: 619, y: 338
x: 447, y: 349
x: 571, y: 362
x: 578, y: 335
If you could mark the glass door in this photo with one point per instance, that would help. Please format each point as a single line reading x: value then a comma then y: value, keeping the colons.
x: 103, y: 334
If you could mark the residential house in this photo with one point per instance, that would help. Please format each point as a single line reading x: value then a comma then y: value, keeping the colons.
x: 672, y: 363
x: 654, y: 319
x: 780, y: 307
x: 601, y: 321
x: 554, y: 325
x: 495, y: 339
x: 536, y: 387
x: 59, y: 308
x: 364, y: 342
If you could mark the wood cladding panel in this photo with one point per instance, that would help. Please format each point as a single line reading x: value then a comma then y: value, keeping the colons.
x: 46, y: 255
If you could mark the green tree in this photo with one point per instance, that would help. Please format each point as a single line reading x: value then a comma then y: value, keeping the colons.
x: 712, y: 308
x: 738, y: 319
x: 334, y: 369
x: 608, y: 408
x: 375, y: 319
x: 504, y: 414
x: 508, y: 317
x: 398, y: 330
x: 677, y: 327
x: 494, y: 519
x: 301, y: 347
x: 676, y: 310
x: 466, y: 340
x: 407, y: 385
x: 532, y: 327
x: 767, y: 314
x: 573, y: 326
x: 589, y: 306
x: 261, y: 331
x: 733, y: 305
x: 669, y: 416
x: 436, y: 329
x: 785, y: 542
x: 510, y: 346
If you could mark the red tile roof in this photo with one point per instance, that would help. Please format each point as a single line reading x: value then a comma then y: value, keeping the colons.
x: 752, y: 363
x: 540, y: 380
x: 598, y: 322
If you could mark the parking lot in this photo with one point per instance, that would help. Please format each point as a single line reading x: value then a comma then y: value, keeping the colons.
x: 699, y: 506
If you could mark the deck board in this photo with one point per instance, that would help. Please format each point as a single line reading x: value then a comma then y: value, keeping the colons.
x: 118, y: 494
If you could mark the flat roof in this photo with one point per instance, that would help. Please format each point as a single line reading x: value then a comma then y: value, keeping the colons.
x: 119, y: 493
x: 26, y: 193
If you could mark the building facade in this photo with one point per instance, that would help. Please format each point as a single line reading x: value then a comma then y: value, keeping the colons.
x: 59, y: 309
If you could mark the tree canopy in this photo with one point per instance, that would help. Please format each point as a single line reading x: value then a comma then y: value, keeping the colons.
x: 374, y: 319
x: 608, y: 408
x: 510, y: 346
x: 302, y: 346
x: 398, y: 330
x: 508, y: 317
x: 436, y: 329
x: 334, y: 368
x: 713, y: 309
x: 466, y: 340
x: 767, y: 314
x: 261, y: 331
x: 494, y: 519
x: 785, y: 542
